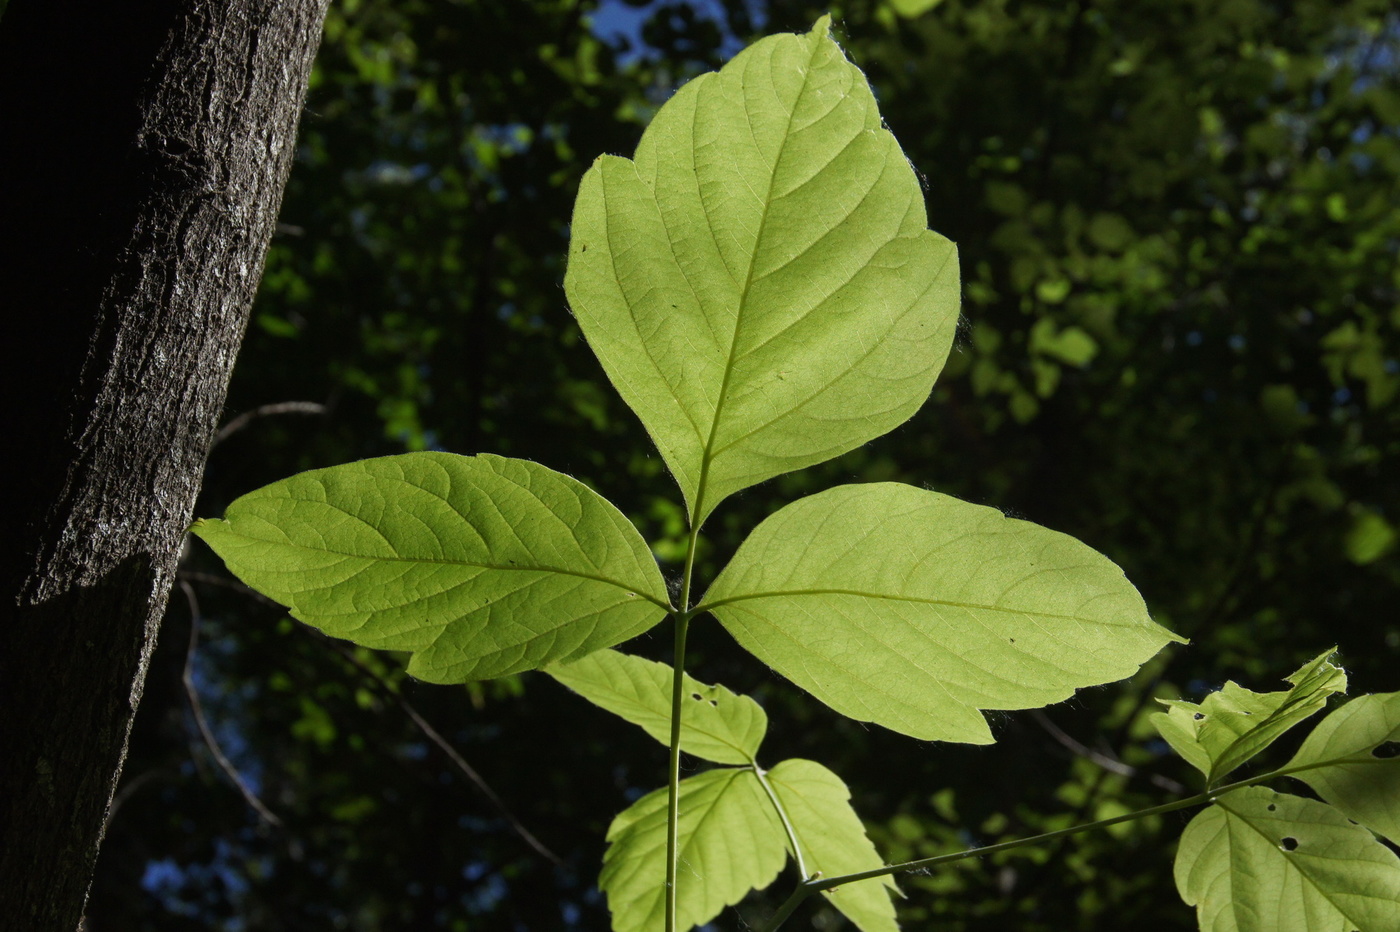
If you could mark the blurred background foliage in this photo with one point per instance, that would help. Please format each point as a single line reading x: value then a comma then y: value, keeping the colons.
x: 1179, y: 236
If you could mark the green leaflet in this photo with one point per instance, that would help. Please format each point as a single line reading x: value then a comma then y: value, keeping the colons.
x: 1355, y: 779
x: 759, y: 282
x: 730, y: 841
x: 1260, y: 861
x: 716, y: 724
x: 912, y: 609
x: 481, y: 566
x: 833, y: 841
x: 1233, y: 724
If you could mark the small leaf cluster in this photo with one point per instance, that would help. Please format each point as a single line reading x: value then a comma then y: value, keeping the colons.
x: 739, y: 823
x: 1258, y: 860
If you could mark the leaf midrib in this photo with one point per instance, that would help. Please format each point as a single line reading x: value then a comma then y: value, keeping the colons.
x: 707, y: 456
x: 469, y: 563
x: 790, y: 593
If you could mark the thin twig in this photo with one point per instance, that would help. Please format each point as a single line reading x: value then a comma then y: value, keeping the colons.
x: 126, y: 791
x: 247, y: 417
x: 432, y: 735
x: 417, y: 719
x: 1111, y: 764
x: 187, y: 677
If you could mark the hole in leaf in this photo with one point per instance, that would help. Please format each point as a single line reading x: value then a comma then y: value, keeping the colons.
x: 1272, y: 807
x: 1200, y: 715
x: 715, y: 703
x: 696, y: 696
x: 1013, y: 640
x: 1289, y: 844
x: 1386, y: 751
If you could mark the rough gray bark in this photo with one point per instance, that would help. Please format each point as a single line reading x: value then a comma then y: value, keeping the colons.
x: 147, y: 146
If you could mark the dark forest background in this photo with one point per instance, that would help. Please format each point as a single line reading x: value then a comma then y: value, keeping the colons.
x: 1180, y: 343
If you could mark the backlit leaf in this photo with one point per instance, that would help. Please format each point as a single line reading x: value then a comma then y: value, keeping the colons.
x: 1356, y: 755
x: 729, y: 838
x: 834, y: 842
x: 716, y: 724
x: 759, y: 282
x: 912, y: 609
x: 1233, y: 724
x: 1260, y: 861
x: 481, y: 566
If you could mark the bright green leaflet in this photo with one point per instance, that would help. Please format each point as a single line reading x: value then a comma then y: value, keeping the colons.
x: 1364, y: 786
x: 834, y: 842
x: 914, y: 610
x: 481, y: 566
x: 759, y: 282
x: 730, y: 842
x: 1234, y: 724
x: 716, y: 724
x: 1260, y: 861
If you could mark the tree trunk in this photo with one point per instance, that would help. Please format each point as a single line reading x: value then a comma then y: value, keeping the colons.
x: 146, y: 149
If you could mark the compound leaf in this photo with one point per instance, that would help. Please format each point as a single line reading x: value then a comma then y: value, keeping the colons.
x: 481, y: 566
x: 1233, y: 724
x: 915, y: 610
x: 759, y: 282
x: 716, y: 724
x: 834, y: 842
x: 1352, y: 753
x: 729, y: 841
x: 1260, y: 861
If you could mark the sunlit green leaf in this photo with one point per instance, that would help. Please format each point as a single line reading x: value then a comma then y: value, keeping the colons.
x: 833, y: 841
x: 729, y: 838
x: 1260, y: 861
x: 759, y: 282
x: 912, y: 609
x: 1357, y: 747
x: 913, y: 8
x: 716, y: 724
x: 481, y: 566
x: 1232, y: 725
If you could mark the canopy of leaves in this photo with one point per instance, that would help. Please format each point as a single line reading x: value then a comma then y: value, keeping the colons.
x: 1177, y: 229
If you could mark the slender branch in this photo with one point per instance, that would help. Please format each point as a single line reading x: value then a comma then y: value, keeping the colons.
x: 808, y: 887
x: 128, y: 790
x: 787, y: 823
x: 187, y: 677
x: 458, y: 761
x: 413, y: 715
x: 247, y: 417
x: 673, y: 772
x: 789, y: 906
x: 1111, y: 764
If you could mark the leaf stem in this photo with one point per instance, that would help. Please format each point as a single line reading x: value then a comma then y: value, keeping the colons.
x: 809, y: 886
x: 673, y: 775
x: 673, y: 779
x: 787, y: 823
